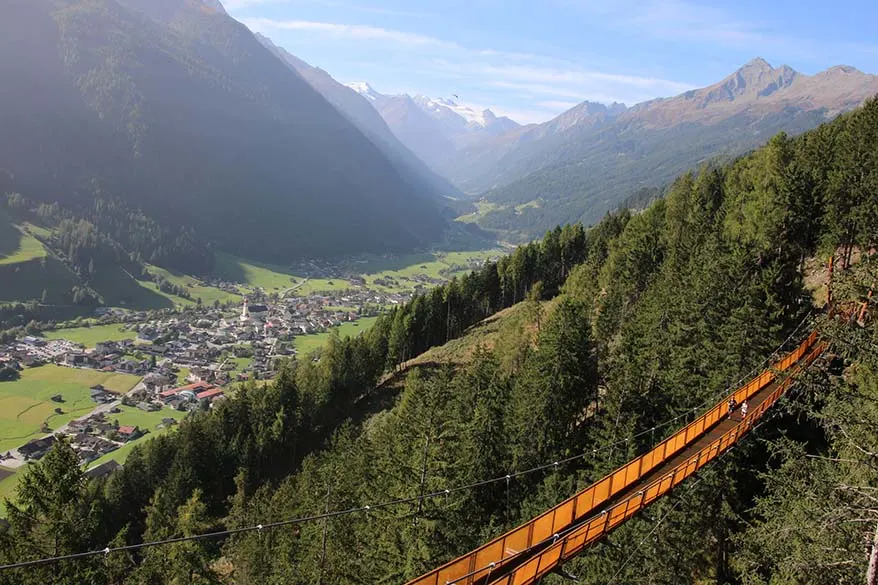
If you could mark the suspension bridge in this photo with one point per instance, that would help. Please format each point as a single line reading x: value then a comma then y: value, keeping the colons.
x: 541, y: 545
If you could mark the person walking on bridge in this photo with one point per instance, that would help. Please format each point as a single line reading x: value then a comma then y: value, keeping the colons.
x: 732, y: 405
x: 744, y: 407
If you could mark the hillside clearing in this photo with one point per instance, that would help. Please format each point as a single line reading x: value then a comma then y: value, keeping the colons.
x: 18, y: 245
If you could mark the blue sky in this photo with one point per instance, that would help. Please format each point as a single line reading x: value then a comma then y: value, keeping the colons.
x: 533, y: 59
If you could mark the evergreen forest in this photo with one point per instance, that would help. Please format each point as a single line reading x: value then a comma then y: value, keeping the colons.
x: 610, y: 337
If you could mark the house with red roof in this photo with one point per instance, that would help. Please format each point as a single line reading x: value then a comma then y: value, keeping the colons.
x: 200, y: 386
x: 211, y: 394
x: 127, y: 433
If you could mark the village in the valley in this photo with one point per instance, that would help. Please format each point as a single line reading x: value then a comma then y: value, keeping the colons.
x: 185, y: 360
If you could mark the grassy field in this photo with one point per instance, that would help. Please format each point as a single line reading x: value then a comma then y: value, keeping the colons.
x: 408, y: 271
x: 128, y: 416
x: 483, y: 208
x: 315, y: 285
x: 240, y: 363
x: 272, y: 278
x: 173, y: 299
x: 25, y: 281
x: 305, y: 344
x: 237, y: 270
x: 118, y: 288
x: 7, y: 487
x: 207, y: 294
x: 89, y: 336
x: 182, y: 374
x: 26, y: 403
x: 145, y: 420
x: 18, y: 245
x: 535, y: 204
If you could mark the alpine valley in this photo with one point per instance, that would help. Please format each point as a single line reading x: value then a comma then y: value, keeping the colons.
x: 171, y: 130
x: 595, y: 157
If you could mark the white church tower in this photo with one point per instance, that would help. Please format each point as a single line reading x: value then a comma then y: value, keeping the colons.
x: 245, y: 313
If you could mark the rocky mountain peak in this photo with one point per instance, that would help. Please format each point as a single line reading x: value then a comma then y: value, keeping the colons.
x: 842, y: 70
x: 757, y: 78
x: 214, y: 5
x: 757, y: 64
x: 616, y: 108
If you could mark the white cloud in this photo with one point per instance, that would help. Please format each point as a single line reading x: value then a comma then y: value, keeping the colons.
x: 349, y: 31
x: 245, y: 5
x: 707, y: 24
x: 575, y: 77
x: 679, y: 20
x: 537, y: 90
x: 544, y: 86
x: 239, y: 4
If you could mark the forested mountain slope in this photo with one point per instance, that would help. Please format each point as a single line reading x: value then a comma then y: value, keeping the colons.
x: 505, y: 157
x: 651, y: 314
x: 361, y: 113
x: 173, y: 111
x: 590, y: 167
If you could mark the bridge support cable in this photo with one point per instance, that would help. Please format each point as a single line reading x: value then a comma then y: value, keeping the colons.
x: 591, y: 531
x: 657, y: 524
x: 531, y: 550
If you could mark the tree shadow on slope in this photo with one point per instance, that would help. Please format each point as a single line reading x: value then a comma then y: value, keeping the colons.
x: 10, y: 237
x: 120, y: 289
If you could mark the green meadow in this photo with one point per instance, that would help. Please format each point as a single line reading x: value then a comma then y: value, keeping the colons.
x: 305, y: 344
x: 90, y: 336
x: 25, y: 404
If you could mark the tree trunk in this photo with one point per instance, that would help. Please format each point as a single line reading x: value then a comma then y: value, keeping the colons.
x: 872, y: 571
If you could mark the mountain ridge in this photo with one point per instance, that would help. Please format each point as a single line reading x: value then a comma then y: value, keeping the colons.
x: 171, y: 107
x: 579, y: 167
x: 356, y: 108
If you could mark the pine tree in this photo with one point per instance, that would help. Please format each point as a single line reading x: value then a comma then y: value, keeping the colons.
x: 53, y: 515
x: 186, y: 562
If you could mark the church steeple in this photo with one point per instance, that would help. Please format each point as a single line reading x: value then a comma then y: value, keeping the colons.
x: 245, y: 312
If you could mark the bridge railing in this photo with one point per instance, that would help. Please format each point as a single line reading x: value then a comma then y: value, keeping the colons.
x: 589, y: 531
x: 490, y: 557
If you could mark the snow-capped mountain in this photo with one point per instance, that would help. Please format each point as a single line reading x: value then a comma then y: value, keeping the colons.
x: 434, y: 128
x: 365, y: 90
x: 450, y: 110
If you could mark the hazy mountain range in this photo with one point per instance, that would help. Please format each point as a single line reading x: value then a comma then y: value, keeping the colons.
x: 580, y: 170
x: 366, y: 118
x: 173, y: 109
x: 587, y: 160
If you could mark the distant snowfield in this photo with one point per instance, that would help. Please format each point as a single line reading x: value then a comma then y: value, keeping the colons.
x: 364, y: 89
x: 438, y: 108
x: 471, y: 115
